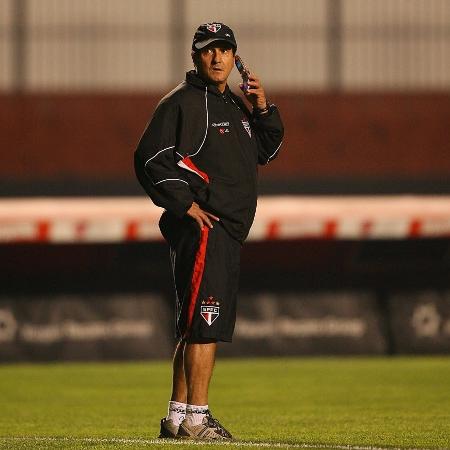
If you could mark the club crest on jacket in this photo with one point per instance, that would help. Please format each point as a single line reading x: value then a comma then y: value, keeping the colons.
x: 246, y: 125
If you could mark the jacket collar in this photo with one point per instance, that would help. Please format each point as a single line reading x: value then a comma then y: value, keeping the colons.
x: 195, y: 80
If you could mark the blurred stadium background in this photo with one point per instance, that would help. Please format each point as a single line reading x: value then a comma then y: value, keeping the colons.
x: 350, y: 252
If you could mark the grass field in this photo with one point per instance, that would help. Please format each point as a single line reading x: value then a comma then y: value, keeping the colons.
x: 275, y: 403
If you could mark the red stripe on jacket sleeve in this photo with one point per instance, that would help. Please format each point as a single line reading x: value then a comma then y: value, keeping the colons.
x: 186, y: 163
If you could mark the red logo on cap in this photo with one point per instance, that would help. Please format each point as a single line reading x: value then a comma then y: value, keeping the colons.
x: 213, y: 27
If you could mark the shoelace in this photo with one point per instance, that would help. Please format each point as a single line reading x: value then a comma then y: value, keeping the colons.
x: 214, y: 423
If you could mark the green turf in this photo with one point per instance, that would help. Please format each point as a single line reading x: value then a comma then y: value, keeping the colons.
x: 399, y: 402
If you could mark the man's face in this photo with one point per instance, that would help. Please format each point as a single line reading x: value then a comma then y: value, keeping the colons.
x: 215, y: 62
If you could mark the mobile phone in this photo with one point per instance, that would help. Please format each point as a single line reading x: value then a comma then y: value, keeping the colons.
x: 243, y: 70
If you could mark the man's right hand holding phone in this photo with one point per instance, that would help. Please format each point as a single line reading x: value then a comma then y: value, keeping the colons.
x: 255, y: 94
x: 252, y: 89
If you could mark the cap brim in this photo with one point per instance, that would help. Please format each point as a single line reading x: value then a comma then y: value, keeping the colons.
x: 203, y: 44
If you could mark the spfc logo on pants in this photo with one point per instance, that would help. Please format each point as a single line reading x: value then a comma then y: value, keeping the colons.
x: 210, y: 310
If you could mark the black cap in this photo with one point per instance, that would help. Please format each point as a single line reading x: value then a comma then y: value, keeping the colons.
x: 210, y: 32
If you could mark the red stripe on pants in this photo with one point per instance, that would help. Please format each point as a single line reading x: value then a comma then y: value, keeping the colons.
x: 197, y: 275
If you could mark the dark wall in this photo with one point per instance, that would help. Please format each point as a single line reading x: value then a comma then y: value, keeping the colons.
x: 334, y: 142
x: 296, y: 297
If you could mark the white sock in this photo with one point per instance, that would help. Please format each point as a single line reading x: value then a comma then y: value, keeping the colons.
x: 176, y: 412
x: 195, y: 414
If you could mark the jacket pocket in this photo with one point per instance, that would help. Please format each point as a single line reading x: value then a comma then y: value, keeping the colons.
x: 227, y: 181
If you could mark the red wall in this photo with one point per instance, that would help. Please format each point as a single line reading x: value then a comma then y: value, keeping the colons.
x: 93, y: 136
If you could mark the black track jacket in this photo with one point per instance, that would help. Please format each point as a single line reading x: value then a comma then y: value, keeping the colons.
x: 205, y: 146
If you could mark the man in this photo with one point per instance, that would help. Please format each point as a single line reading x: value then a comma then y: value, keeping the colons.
x: 198, y: 159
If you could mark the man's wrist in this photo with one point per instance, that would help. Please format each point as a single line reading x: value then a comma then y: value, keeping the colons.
x: 262, y: 111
